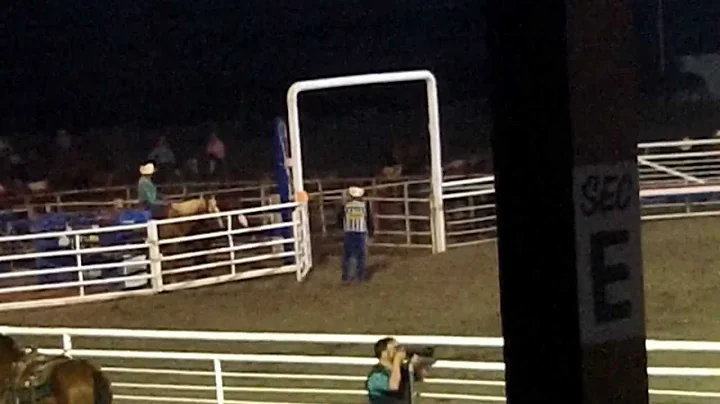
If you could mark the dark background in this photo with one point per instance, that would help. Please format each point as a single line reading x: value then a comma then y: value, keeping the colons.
x: 80, y: 63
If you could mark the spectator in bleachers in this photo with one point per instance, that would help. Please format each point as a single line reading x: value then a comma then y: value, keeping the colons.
x: 215, y: 152
x: 192, y: 169
x: 63, y: 140
x: 164, y: 159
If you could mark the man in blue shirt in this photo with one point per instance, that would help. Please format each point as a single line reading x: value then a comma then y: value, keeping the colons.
x: 356, y: 220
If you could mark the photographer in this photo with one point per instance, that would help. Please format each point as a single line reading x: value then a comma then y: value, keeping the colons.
x: 389, y: 380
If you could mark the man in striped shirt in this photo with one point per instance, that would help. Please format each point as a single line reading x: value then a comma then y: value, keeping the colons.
x: 356, y: 221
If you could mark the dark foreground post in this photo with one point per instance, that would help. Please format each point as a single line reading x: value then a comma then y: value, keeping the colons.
x: 568, y: 205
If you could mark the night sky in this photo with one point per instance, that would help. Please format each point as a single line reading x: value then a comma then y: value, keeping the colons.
x: 81, y: 63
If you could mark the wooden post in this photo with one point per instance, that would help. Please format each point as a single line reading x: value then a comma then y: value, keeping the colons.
x: 568, y: 211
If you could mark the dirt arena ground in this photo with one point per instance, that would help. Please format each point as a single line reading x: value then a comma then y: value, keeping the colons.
x: 682, y: 281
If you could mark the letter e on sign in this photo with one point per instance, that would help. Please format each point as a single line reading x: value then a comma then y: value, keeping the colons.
x: 609, y: 260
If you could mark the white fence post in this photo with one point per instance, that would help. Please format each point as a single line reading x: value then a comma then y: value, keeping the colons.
x: 231, y: 244
x: 154, y: 256
x: 298, y: 246
x: 67, y: 344
x: 303, y: 248
x: 219, y: 389
x: 305, y: 215
x: 78, y: 262
x: 406, y: 208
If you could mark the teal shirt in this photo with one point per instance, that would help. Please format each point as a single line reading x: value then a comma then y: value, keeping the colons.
x: 378, y: 383
x: 147, y: 192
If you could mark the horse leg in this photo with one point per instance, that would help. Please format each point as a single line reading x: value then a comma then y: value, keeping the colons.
x: 168, y: 249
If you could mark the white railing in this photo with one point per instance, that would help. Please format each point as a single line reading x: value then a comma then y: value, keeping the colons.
x: 679, y: 162
x: 232, y: 367
x: 140, y: 260
x: 671, y: 162
x: 248, y: 192
x: 403, y: 208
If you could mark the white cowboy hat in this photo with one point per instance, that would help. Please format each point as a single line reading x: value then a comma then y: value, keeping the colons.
x: 38, y: 186
x: 147, y: 169
x: 356, y: 192
x: 687, y: 146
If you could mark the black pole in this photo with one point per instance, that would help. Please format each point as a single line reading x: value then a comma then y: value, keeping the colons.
x: 568, y: 213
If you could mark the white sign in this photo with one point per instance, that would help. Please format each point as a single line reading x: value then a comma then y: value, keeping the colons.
x: 609, y: 258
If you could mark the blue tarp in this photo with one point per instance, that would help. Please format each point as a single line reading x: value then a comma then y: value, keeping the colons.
x: 57, y: 222
x: 281, y: 145
x: 125, y: 218
x: 686, y: 198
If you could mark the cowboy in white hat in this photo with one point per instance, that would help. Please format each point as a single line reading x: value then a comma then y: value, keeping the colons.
x: 148, y: 195
x: 356, y: 221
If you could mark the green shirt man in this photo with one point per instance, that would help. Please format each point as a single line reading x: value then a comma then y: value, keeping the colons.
x: 148, y: 195
x: 379, y: 389
x: 147, y: 192
x: 387, y: 382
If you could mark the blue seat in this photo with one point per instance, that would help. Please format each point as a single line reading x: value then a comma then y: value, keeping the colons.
x: 52, y: 222
x: 133, y: 217
x: 126, y: 217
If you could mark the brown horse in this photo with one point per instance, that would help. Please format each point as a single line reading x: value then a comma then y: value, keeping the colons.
x: 192, y: 207
x: 27, y: 376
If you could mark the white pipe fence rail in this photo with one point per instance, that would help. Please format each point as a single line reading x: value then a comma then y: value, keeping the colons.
x: 78, y: 270
x: 230, y: 376
x: 141, y: 260
x: 665, y: 161
x: 403, y: 218
x: 247, y: 191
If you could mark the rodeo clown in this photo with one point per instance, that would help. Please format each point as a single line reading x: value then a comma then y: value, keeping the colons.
x: 356, y: 221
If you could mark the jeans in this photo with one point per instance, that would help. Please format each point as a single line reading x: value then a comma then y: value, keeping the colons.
x: 157, y: 211
x: 354, y: 246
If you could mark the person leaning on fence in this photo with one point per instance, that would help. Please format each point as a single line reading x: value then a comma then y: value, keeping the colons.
x: 388, y: 382
x: 356, y: 220
x: 148, y: 195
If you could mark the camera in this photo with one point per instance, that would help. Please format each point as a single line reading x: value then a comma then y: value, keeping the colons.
x: 425, y: 355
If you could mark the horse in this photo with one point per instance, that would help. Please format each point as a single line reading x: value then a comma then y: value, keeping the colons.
x: 196, y: 206
x: 26, y: 376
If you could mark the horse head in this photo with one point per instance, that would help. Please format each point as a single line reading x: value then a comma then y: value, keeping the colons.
x: 213, y: 207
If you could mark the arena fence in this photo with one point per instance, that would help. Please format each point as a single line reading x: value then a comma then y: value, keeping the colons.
x: 103, y: 263
x: 236, y: 367
x: 671, y: 163
x: 678, y: 179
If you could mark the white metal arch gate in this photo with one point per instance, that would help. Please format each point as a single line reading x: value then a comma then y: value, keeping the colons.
x: 437, y: 216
